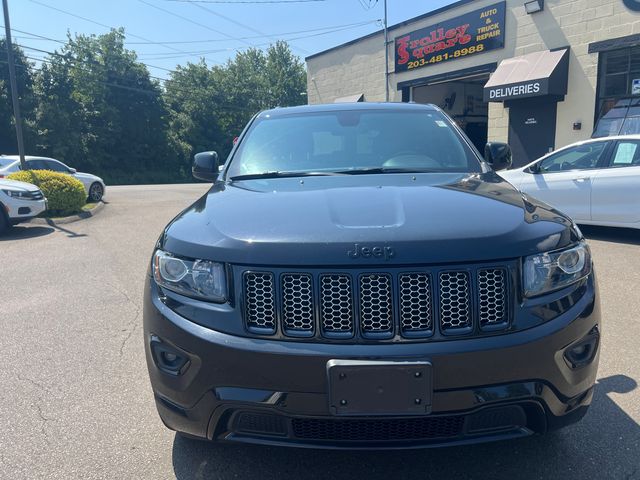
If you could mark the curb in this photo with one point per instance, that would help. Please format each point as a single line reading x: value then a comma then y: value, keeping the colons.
x: 70, y: 219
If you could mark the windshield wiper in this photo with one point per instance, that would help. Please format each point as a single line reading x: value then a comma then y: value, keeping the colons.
x: 283, y: 174
x: 351, y: 171
x: 374, y: 170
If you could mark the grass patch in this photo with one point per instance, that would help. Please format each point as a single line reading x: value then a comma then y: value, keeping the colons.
x: 87, y: 207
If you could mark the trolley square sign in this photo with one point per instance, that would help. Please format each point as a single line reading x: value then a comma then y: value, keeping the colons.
x: 469, y: 34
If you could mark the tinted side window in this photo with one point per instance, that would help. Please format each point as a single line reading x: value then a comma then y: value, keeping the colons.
x: 55, y: 166
x: 36, y: 165
x: 580, y: 157
x: 626, y: 154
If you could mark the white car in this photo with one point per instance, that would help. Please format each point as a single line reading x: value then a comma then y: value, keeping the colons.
x: 19, y: 202
x: 94, y: 186
x: 596, y: 182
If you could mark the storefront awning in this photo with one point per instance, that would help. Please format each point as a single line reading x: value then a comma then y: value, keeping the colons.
x: 359, y: 97
x: 533, y: 75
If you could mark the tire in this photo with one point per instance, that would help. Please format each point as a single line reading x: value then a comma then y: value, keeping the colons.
x: 95, y: 192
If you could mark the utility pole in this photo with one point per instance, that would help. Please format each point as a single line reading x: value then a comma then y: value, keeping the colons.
x: 14, y: 85
x: 386, y: 54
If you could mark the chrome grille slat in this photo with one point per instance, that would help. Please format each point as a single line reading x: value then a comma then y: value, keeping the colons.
x: 259, y: 290
x: 336, y: 303
x: 492, y: 302
x: 455, y: 305
x: 376, y: 303
x: 297, y: 303
x: 415, y: 303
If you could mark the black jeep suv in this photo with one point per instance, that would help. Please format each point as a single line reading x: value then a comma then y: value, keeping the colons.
x: 359, y: 277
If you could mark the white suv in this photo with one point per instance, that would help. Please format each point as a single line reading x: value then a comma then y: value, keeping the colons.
x: 19, y: 201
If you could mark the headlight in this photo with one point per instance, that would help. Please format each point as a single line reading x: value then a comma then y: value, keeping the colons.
x: 203, y: 279
x: 550, y: 271
x: 17, y: 193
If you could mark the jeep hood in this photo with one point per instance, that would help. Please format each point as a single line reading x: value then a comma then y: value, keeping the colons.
x: 423, y: 218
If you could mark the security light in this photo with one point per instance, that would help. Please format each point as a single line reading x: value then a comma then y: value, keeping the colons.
x: 534, y: 6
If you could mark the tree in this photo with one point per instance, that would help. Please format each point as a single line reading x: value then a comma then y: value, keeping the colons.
x: 24, y: 77
x: 193, y: 94
x: 59, y: 115
x: 100, y: 111
x: 286, y: 76
x: 211, y: 106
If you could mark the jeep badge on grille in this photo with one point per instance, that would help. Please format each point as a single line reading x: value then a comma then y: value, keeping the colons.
x: 359, y: 251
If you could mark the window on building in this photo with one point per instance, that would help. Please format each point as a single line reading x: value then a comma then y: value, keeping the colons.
x: 618, y: 70
x: 618, y: 92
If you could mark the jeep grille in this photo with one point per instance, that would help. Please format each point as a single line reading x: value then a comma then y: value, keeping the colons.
x: 336, y: 304
x: 373, y: 305
x: 260, y: 305
x: 297, y: 303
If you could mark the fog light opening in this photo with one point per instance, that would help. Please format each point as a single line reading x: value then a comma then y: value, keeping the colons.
x: 583, y: 352
x: 168, y: 359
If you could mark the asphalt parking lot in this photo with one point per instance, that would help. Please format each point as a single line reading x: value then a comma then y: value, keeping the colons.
x: 75, y: 401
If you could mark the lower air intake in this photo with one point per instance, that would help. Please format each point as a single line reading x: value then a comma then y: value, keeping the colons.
x: 379, y: 430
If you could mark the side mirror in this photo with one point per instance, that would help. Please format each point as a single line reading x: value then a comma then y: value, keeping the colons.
x: 205, y: 166
x: 498, y: 155
x: 535, y: 168
x: 72, y: 171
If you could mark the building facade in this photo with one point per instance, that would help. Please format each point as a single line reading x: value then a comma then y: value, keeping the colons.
x: 538, y: 74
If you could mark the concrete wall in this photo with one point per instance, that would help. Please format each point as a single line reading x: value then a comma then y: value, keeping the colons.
x: 355, y: 69
x: 358, y: 68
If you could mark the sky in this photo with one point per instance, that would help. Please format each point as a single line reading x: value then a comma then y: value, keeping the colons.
x: 166, y: 33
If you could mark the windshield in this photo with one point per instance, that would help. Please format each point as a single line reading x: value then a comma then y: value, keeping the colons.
x: 351, y: 141
x: 5, y: 162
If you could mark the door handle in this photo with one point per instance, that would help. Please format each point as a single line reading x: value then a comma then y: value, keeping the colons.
x: 581, y: 179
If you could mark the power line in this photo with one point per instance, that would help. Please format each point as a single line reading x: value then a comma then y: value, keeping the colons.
x: 316, y: 32
x: 255, y: 2
x: 186, y: 19
x: 369, y: 5
x: 235, y: 22
x: 242, y: 25
x: 107, y: 26
x: 92, y: 21
x: 77, y: 60
x: 117, y: 77
x: 31, y: 37
x: 162, y: 56
x: 64, y: 43
x: 35, y: 35
x: 348, y: 25
x: 191, y: 53
x: 129, y: 88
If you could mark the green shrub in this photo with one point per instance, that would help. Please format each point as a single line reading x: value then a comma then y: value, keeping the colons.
x: 65, y: 195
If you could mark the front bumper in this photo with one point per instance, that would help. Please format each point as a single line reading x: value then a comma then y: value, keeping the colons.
x: 266, y: 391
x: 22, y: 210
